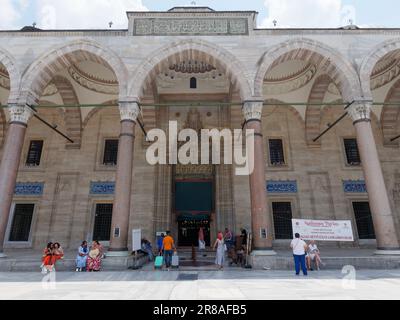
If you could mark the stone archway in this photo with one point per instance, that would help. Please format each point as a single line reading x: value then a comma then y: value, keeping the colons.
x: 41, y: 72
x: 369, y: 63
x: 390, y: 113
x: 190, y: 49
x: 332, y: 62
x: 11, y: 66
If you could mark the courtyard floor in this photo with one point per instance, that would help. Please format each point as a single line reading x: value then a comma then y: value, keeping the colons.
x: 204, y: 285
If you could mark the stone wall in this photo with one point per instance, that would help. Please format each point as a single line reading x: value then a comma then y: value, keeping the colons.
x: 65, y: 211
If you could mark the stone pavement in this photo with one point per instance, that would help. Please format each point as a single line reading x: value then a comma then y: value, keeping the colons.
x: 211, y: 285
x: 22, y: 260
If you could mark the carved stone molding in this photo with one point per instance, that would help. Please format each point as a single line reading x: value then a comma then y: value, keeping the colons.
x: 167, y: 85
x: 291, y: 82
x: 360, y: 111
x: 92, y: 82
x: 203, y: 26
x: 384, y: 73
x: 20, y: 113
x: 193, y: 120
x: 252, y: 110
x: 129, y: 110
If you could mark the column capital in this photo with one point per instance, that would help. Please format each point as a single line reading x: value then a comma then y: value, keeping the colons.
x: 252, y: 109
x: 129, y: 110
x: 19, y: 113
x: 360, y: 110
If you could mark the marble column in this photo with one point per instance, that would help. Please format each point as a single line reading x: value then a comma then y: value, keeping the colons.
x: 386, y: 237
x: 261, y: 221
x: 19, y: 117
x: 122, y: 203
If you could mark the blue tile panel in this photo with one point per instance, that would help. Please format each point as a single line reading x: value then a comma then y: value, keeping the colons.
x: 102, y: 188
x: 354, y: 186
x: 281, y: 186
x: 29, y: 189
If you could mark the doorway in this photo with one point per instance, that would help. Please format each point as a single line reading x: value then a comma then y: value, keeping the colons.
x: 194, y: 202
x: 189, y: 227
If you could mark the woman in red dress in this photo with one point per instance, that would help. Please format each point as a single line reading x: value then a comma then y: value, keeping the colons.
x: 47, y: 258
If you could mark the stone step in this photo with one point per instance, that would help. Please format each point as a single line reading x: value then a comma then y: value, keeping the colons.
x: 207, y: 263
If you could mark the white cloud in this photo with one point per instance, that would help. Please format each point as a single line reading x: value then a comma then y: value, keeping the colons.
x: 74, y: 14
x: 308, y: 13
x: 8, y: 15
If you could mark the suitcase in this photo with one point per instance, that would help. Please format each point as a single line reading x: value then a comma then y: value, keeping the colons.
x: 175, y: 261
x: 158, y: 262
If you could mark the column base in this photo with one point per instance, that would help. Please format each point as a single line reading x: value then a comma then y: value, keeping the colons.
x: 394, y: 252
x: 260, y: 252
x: 121, y: 253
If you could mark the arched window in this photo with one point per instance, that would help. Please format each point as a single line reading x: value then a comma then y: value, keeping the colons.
x: 193, y: 83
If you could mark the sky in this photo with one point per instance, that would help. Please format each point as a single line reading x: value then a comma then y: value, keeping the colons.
x: 96, y: 14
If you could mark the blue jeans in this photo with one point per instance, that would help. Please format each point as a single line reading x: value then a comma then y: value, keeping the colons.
x: 300, y: 260
x: 168, y: 258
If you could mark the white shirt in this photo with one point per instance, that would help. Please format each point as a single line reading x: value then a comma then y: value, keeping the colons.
x: 312, y: 247
x: 298, y: 247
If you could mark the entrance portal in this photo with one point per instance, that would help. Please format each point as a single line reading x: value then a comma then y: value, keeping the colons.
x: 193, y: 206
x: 189, y: 227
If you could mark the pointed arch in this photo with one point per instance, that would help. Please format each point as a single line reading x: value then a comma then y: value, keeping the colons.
x: 190, y: 49
x: 40, y: 72
x: 8, y: 61
x: 333, y: 63
x: 370, y: 61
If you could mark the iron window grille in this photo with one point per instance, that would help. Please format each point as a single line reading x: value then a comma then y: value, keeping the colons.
x: 102, y: 222
x: 110, y: 152
x: 34, y: 153
x: 365, y: 225
x: 276, y: 153
x: 282, y: 213
x: 22, y: 221
x: 352, y: 153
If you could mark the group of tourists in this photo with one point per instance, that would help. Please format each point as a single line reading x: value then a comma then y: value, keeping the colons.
x: 304, y: 254
x: 51, y: 254
x: 236, y: 247
x: 89, y: 259
x: 224, y: 243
